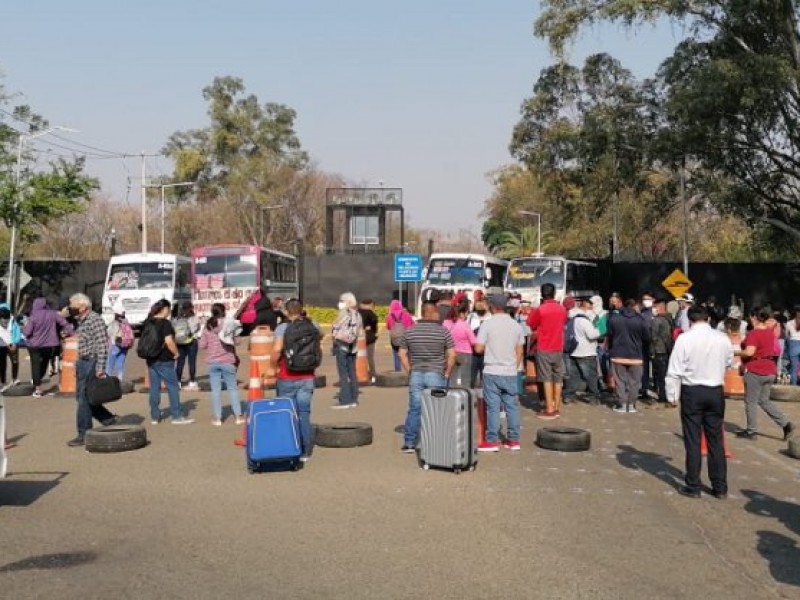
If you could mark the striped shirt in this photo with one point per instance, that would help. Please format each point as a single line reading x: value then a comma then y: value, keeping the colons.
x: 427, y: 344
x: 93, y: 339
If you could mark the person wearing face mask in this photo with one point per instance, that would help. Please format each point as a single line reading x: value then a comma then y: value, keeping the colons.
x: 646, y: 310
x: 397, y: 322
x: 346, y: 329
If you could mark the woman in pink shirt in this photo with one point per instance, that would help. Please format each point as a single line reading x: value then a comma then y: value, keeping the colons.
x: 222, y: 362
x: 463, y: 339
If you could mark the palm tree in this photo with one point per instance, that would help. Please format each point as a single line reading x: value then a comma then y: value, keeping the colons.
x: 524, y: 242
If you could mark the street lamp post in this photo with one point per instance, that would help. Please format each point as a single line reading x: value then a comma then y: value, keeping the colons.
x: 538, y: 216
x: 18, y: 180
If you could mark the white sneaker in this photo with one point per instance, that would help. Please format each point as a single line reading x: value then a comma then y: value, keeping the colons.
x: 216, y: 422
x: 632, y: 409
x: 182, y: 421
x: 193, y: 386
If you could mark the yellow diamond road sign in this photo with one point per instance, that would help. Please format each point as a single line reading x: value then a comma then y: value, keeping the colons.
x: 677, y: 283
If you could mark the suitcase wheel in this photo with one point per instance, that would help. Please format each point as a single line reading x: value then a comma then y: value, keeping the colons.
x: 426, y: 466
x: 457, y: 471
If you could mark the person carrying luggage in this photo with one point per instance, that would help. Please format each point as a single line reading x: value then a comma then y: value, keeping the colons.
x: 428, y: 355
x: 296, y: 354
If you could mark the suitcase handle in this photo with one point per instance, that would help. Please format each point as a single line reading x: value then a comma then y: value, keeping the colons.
x: 439, y: 392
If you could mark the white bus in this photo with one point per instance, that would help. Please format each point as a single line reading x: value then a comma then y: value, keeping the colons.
x: 233, y: 273
x: 454, y: 272
x: 570, y: 277
x: 139, y: 280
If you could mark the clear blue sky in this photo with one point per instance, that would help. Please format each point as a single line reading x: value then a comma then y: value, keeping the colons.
x: 422, y: 94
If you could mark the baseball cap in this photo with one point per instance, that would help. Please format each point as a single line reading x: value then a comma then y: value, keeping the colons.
x: 687, y: 298
x: 498, y: 300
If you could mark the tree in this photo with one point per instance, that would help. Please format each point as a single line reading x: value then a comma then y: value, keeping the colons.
x: 731, y: 94
x: 35, y: 198
x: 241, y: 131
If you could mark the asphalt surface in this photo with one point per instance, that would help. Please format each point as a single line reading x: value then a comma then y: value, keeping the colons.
x: 182, y: 518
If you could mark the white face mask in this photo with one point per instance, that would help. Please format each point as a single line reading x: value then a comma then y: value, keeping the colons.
x: 342, y: 305
x: 647, y: 303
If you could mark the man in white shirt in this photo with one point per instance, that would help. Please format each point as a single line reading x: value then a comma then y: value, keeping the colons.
x: 583, y: 359
x: 696, y: 375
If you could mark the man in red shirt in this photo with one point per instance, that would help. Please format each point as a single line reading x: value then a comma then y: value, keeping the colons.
x: 547, y: 326
x: 760, y: 353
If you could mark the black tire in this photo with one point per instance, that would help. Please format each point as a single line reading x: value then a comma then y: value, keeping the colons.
x: 21, y: 389
x: 127, y: 387
x: 116, y: 438
x: 391, y: 379
x: 343, y: 435
x: 320, y: 381
x: 794, y: 447
x: 785, y: 393
x: 564, y: 439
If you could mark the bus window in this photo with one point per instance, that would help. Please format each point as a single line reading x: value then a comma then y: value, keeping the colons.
x: 582, y: 277
x: 140, y: 276
x: 237, y: 270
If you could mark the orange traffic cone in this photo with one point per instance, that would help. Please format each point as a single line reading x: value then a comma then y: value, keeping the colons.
x: 254, y: 392
x: 704, y: 445
x: 362, y: 367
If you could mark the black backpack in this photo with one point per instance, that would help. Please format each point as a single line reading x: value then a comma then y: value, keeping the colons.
x: 570, y: 336
x: 150, y: 342
x: 301, y: 346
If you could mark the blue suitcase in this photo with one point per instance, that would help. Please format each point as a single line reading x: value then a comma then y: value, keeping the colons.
x: 273, y: 434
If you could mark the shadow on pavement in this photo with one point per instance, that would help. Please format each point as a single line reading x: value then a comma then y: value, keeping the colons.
x: 15, y: 440
x: 655, y: 464
x: 61, y: 560
x: 131, y: 419
x: 782, y: 552
x: 25, y: 493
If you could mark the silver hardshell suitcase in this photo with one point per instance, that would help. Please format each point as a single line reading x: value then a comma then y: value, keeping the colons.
x: 447, y: 437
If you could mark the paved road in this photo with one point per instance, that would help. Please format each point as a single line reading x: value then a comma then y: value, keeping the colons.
x: 183, y: 519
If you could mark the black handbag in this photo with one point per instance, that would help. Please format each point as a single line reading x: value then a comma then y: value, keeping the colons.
x: 100, y: 390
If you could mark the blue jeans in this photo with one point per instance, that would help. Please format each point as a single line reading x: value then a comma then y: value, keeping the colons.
x: 419, y: 381
x: 501, y: 390
x: 348, y: 382
x: 187, y: 351
x: 116, y: 361
x: 217, y: 373
x: 84, y: 371
x: 158, y: 371
x: 301, y: 391
x: 794, y: 359
x: 396, y: 356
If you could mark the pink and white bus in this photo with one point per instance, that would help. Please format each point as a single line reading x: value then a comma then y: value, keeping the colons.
x: 232, y: 273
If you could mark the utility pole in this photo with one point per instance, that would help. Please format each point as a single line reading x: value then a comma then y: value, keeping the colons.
x: 685, y: 210
x: 144, y: 204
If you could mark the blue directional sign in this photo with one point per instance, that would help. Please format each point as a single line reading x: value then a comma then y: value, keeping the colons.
x: 407, y: 268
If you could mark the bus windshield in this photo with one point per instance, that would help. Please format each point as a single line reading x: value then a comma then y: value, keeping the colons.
x: 240, y: 270
x: 141, y: 276
x: 456, y: 271
x: 533, y: 272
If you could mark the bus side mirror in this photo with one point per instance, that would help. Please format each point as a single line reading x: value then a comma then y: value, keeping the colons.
x: 424, y: 273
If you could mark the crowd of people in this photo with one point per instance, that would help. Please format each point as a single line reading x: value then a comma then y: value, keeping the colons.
x: 639, y: 350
